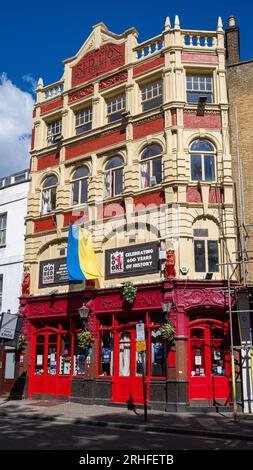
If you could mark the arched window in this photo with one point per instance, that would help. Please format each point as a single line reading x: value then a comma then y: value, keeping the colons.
x: 49, y: 188
x: 202, y: 154
x: 80, y: 185
x: 151, y: 166
x: 114, y: 176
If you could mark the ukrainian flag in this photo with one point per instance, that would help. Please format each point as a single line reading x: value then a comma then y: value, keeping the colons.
x: 81, y: 259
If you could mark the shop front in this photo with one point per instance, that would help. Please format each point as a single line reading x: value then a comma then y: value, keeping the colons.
x: 194, y: 369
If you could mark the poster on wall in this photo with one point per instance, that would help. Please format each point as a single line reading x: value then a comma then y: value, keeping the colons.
x: 53, y: 272
x: 133, y: 260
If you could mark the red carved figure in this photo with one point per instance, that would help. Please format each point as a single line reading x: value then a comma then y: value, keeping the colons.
x: 170, y: 272
x: 26, y: 284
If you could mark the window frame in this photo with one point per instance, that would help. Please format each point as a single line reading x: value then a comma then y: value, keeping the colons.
x: 3, y: 229
x: 86, y: 122
x: 79, y: 181
x: 116, y: 115
x: 206, y: 241
x: 149, y: 161
x: 203, y: 154
x: 49, y: 188
x: 199, y: 92
x: 144, y: 90
x: 51, y: 138
x: 1, y: 291
x: 111, y: 172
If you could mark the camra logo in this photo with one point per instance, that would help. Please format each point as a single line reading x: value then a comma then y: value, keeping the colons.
x: 117, y: 262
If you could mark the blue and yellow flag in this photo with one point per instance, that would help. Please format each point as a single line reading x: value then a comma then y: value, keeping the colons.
x: 81, y: 259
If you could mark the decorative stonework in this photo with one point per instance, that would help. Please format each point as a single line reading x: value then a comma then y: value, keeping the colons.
x: 189, y: 298
x: 114, y: 80
x: 96, y: 62
x: 81, y: 93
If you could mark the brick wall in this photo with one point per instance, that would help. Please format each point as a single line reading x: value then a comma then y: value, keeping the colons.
x: 240, y: 90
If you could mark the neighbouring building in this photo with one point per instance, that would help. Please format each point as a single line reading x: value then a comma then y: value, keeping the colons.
x: 133, y: 142
x: 13, y: 208
x: 240, y: 93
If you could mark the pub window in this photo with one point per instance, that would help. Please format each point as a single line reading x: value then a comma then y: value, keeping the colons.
x: 114, y: 176
x: 106, y: 353
x: 158, y: 362
x: 124, y: 356
x: 115, y: 107
x: 54, y: 129
x: 151, y: 166
x: 49, y: 188
x: 83, y: 120
x: 202, y: 155
x: 152, y: 95
x: 79, y: 358
x: 39, y: 357
x: 65, y: 354
x: 80, y: 185
x: 199, y: 85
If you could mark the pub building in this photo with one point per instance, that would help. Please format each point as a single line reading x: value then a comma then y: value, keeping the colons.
x: 132, y: 143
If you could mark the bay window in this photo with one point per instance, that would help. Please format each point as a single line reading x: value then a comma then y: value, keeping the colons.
x: 114, y: 176
x: 152, y: 95
x: 202, y: 159
x: 151, y: 166
x: 199, y: 85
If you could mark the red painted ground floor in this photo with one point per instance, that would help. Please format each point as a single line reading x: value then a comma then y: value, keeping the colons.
x: 195, y: 368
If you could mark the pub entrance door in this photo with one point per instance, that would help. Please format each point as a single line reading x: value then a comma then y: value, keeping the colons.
x: 208, y: 361
x: 127, y: 381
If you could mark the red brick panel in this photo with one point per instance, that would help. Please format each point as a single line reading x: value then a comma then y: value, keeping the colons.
x: 97, y: 62
x: 148, y: 66
x: 207, y: 58
x: 32, y: 139
x: 48, y: 161
x: 193, y: 195
x: 44, y: 225
x: 81, y: 93
x: 95, y: 144
x: 147, y: 128
x: 154, y: 199
x: 50, y: 106
x: 215, y: 196
x: 208, y: 121
x: 71, y: 218
x: 114, y: 80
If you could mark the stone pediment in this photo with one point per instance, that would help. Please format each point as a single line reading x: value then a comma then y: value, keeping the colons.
x: 102, y: 52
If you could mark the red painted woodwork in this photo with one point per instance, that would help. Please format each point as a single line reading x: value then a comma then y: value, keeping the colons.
x: 208, y: 121
x: 94, y: 144
x: 147, y: 128
x: 193, y: 194
x: 50, y: 106
x: 207, y: 339
x: 148, y: 66
x: 97, y: 62
x: 89, y: 90
x: 48, y: 160
x: 148, y: 200
x: 207, y: 58
x: 43, y: 225
x: 114, y: 80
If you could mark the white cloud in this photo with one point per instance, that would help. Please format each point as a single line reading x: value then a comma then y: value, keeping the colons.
x: 15, y: 127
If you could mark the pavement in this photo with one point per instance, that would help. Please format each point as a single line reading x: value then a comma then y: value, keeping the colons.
x: 221, y: 425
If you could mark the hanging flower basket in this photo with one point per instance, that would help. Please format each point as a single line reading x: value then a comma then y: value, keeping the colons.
x: 168, y: 332
x: 129, y: 292
x: 84, y: 339
x: 21, y: 342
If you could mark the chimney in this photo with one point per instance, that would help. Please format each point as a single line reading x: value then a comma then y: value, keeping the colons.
x: 232, y: 42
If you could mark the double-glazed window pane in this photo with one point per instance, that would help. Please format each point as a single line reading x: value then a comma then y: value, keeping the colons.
x: 48, y: 200
x: 200, y: 259
x: 151, y: 172
x: 3, y: 220
x: 202, y: 167
x: 196, y: 168
x: 209, y: 167
x: 80, y: 192
x: 206, y: 249
x: 213, y: 256
x: 113, y: 182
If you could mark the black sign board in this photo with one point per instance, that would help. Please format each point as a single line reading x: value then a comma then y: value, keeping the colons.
x: 53, y: 272
x: 132, y: 260
x: 11, y: 341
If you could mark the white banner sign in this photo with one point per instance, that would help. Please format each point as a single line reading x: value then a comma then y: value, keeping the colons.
x: 8, y: 326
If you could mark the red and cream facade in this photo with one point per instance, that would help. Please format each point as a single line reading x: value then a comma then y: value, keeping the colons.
x: 157, y: 174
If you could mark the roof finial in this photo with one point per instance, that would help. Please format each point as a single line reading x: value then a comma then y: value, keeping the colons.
x: 167, y: 24
x: 177, y: 23
x: 40, y: 83
x: 219, y: 25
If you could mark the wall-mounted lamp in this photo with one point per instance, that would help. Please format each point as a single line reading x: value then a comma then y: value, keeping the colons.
x: 83, y: 312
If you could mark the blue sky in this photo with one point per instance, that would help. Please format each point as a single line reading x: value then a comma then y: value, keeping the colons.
x: 35, y: 37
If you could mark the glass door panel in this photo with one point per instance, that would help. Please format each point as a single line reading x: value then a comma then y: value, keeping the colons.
x: 39, y: 355
x: 124, y: 353
x: 52, y: 354
x: 197, y: 352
